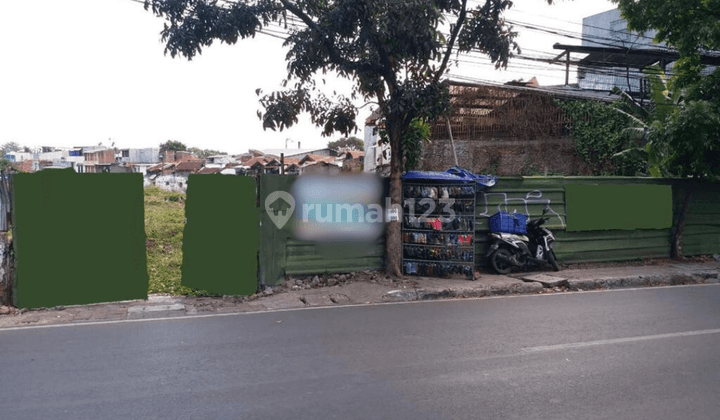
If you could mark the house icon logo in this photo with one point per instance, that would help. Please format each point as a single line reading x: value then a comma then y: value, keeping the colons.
x: 280, y: 206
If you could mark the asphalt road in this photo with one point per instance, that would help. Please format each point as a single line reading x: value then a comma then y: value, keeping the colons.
x: 629, y: 354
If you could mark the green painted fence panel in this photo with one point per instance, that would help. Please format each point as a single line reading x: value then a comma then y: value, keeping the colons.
x: 221, y: 237
x: 612, y: 245
x: 79, y: 238
x: 626, y: 207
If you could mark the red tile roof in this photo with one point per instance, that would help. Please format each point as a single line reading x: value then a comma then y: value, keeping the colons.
x: 209, y: 171
x: 255, y: 160
x: 191, y: 166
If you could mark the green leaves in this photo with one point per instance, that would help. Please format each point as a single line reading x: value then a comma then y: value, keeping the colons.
x: 486, y: 31
x: 173, y: 145
x: 693, y: 137
x: 415, y: 135
x: 351, y: 143
x: 600, y: 135
x: 690, y: 26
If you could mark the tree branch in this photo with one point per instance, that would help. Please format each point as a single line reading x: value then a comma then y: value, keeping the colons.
x: 335, y: 58
x: 451, y: 43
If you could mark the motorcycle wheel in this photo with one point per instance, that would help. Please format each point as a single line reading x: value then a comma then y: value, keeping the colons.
x: 552, y: 261
x: 499, y: 264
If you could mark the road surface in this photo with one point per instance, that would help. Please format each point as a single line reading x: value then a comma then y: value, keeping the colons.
x: 628, y: 354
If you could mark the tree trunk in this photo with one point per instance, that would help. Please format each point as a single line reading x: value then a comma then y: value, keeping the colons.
x: 393, y: 237
x: 676, y: 251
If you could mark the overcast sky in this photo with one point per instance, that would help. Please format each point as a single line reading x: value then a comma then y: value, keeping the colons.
x: 82, y: 72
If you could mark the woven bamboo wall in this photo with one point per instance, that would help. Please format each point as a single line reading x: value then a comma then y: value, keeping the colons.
x: 496, y: 112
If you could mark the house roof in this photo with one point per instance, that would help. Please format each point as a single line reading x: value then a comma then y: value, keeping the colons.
x: 159, y: 167
x: 354, y: 154
x: 291, y: 152
x: 320, y: 164
x: 191, y: 165
x: 558, y: 91
x: 209, y: 171
x: 374, y: 116
x: 317, y: 158
x: 255, y: 160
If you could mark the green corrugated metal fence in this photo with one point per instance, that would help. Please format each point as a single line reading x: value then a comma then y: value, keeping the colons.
x: 701, y: 235
x: 702, y: 223
x: 281, y: 254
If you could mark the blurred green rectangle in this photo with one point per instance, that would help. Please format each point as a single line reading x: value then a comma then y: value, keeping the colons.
x: 619, y: 207
x: 222, y: 235
x: 79, y: 238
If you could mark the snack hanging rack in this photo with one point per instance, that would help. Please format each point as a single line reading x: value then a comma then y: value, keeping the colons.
x: 438, y: 228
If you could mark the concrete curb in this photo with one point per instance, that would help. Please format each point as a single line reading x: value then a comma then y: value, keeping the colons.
x: 450, y: 293
x: 156, y: 311
x: 674, y: 279
x: 360, y: 293
x: 639, y: 281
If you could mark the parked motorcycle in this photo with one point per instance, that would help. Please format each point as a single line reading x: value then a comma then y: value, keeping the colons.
x: 510, y: 250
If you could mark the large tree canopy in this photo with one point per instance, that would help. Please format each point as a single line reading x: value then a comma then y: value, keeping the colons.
x: 687, y: 138
x: 395, y: 51
x: 347, y: 143
x: 688, y: 128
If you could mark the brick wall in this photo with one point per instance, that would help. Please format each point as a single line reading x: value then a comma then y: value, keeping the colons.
x: 505, y: 157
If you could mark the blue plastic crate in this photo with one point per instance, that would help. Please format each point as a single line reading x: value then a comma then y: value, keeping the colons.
x: 509, y: 223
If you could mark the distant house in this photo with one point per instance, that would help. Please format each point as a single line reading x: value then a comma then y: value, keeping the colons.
x: 235, y: 169
x: 147, y: 155
x: 121, y: 168
x: 256, y: 165
x: 292, y: 169
x: 376, y: 156
x: 272, y: 166
x: 218, y: 161
x: 177, y: 156
x: 184, y: 169
x: 162, y: 169
x: 97, y: 161
x: 352, y: 160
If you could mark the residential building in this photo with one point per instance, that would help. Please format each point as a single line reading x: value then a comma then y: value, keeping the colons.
x: 218, y: 161
x: 98, y: 160
x: 376, y: 156
x: 611, y: 56
x: 146, y: 155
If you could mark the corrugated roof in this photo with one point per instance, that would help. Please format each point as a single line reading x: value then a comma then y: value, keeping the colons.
x: 291, y: 152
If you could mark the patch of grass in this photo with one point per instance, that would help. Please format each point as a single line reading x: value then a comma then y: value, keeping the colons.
x: 164, y: 224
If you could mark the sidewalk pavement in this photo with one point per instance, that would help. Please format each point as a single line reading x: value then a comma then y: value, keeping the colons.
x: 373, y: 287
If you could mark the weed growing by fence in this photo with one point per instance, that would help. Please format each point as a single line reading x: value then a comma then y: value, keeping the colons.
x: 164, y: 223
